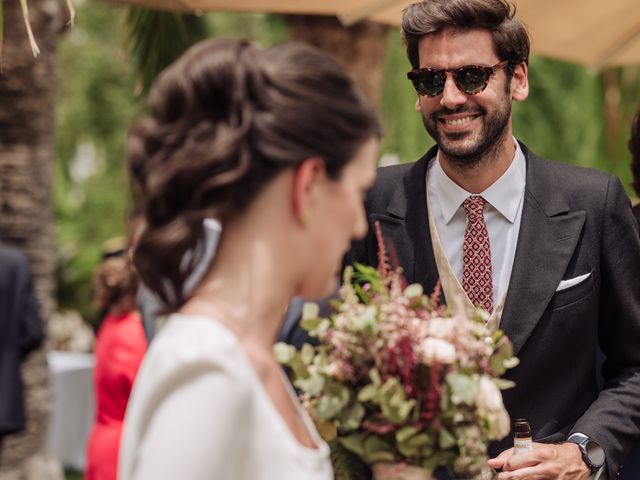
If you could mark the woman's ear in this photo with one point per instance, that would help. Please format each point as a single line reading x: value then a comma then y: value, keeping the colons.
x: 306, y: 180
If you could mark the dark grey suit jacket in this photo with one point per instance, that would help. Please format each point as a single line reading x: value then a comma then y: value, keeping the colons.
x: 21, y: 331
x: 574, y: 221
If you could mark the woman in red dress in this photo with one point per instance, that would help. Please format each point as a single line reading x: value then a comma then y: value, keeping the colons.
x: 120, y: 346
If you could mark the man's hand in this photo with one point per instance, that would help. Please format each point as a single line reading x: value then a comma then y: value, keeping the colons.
x: 560, y: 461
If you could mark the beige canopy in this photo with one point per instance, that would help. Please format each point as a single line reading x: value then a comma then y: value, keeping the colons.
x: 596, y: 33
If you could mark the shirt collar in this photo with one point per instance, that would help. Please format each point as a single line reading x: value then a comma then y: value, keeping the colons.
x: 504, y: 194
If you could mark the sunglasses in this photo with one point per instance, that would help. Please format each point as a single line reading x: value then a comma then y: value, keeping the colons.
x: 470, y: 79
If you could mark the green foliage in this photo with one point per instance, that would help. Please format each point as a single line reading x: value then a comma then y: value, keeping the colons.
x: 157, y: 38
x: 557, y: 120
x: 95, y: 107
x: 404, y: 133
x: 97, y: 102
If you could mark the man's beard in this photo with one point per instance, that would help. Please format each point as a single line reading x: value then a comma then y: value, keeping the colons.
x: 494, y: 128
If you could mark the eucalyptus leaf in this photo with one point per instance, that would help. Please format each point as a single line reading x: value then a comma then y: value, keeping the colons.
x: 377, y: 450
x: 405, y: 408
x: 503, y: 383
x: 374, y: 375
x: 503, y: 352
x: 310, y: 324
x: 413, y: 445
x: 284, y: 352
x: 405, y: 433
x: 367, y: 393
x: 312, y: 385
x: 397, y: 397
x: 464, y: 388
x: 328, y: 407
x: 350, y: 418
x: 511, y: 362
x: 446, y: 439
x: 307, y: 353
x: 354, y: 443
x: 310, y: 311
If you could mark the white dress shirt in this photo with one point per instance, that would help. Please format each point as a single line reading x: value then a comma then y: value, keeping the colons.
x: 501, y: 214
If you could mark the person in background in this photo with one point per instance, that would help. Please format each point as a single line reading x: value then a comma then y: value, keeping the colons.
x: 273, y: 150
x: 634, y: 147
x: 120, y: 346
x: 21, y: 331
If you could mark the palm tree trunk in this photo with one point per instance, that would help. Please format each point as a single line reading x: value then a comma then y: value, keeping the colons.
x: 27, y: 93
x: 360, y: 48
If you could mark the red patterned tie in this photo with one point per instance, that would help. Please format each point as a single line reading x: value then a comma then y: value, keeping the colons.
x: 477, y: 278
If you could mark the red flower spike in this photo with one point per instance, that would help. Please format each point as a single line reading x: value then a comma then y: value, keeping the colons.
x: 383, y: 261
x: 435, y: 296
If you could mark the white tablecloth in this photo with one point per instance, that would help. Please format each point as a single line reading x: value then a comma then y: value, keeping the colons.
x: 73, y: 406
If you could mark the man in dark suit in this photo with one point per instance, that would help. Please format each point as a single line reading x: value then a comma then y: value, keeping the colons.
x: 551, y: 246
x: 21, y: 331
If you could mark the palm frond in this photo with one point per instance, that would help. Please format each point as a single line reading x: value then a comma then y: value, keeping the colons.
x: 156, y: 38
x: 72, y: 13
x: 27, y: 24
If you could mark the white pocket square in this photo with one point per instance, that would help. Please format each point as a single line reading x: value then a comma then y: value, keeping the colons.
x: 564, y: 284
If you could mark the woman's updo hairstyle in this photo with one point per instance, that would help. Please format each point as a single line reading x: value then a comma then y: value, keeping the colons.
x: 225, y: 119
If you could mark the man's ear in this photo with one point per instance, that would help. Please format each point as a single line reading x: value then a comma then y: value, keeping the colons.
x: 306, y: 179
x: 520, y: 82
x: 417, y: 105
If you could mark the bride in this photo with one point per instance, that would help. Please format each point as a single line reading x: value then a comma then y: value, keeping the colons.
x: 276, y: 150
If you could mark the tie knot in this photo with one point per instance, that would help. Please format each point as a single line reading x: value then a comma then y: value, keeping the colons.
x: 473, y: 205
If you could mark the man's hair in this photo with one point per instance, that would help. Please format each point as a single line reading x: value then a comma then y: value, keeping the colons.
x: 634, y: 147
x: 510, y: 37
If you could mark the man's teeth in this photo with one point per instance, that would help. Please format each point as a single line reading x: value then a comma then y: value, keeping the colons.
x: 458, y: 121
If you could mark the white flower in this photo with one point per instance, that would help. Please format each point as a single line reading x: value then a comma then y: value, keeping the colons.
x: 436, y: 350
x: 500, y: 425
x: 490, y: 406
x: 489, y: 398
x: 441, y: 327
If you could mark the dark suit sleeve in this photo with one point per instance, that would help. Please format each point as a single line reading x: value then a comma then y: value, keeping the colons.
x: 31, y: 329
x: 614, y: 418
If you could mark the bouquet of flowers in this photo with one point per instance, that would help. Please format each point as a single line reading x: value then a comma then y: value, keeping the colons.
x: 397, y: 378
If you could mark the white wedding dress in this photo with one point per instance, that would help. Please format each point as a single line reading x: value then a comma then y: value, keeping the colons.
x: 198, y: 411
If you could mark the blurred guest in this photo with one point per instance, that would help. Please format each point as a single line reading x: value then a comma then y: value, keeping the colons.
x: 120, y: 346
x: 21, y: 331
x: 267, y: 155
x: 634, y: 146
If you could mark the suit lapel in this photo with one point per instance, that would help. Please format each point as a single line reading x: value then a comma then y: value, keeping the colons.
x: 549, y: 232
x: 405, y: 227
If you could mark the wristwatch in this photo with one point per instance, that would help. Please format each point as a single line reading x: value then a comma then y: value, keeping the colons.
x: 592, y: 453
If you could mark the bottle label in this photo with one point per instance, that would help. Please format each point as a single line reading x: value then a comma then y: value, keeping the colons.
x: 522, y: 445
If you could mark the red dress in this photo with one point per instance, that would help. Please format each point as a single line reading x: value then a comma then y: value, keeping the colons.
x: 120, y: 346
